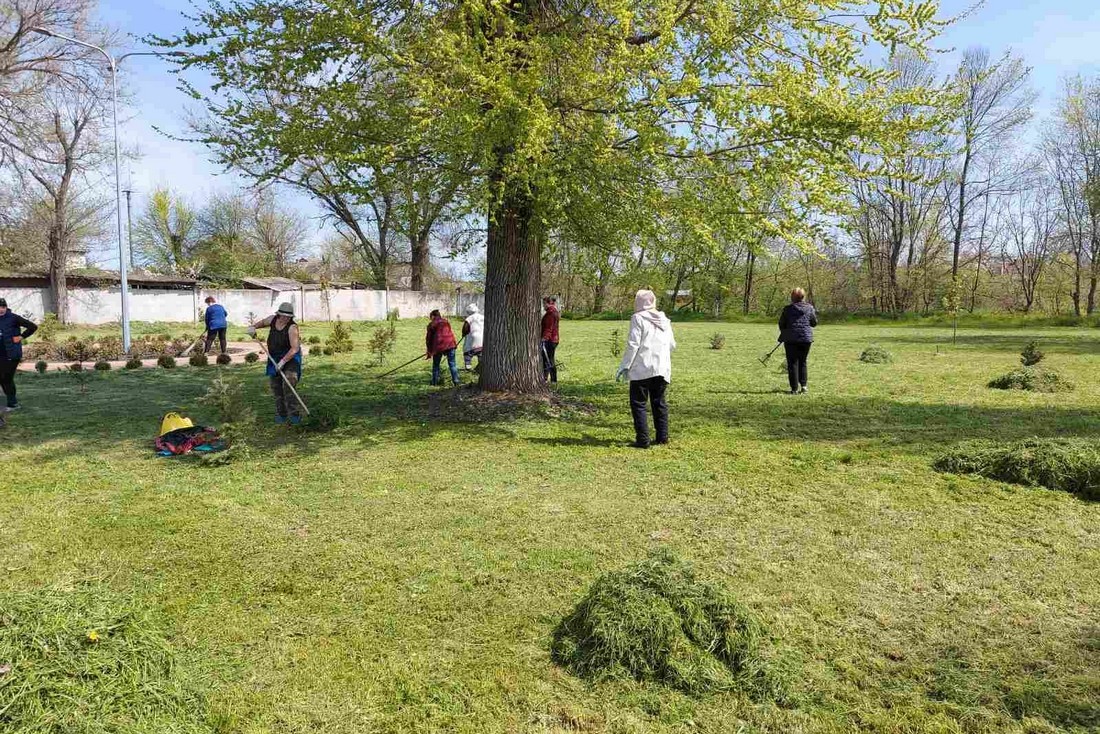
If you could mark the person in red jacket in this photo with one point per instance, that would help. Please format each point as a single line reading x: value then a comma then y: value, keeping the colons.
x: 550, y: 320
x: 440, y: 341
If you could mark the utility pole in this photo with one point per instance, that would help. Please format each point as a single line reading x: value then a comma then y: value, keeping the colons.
x: 129, y: 229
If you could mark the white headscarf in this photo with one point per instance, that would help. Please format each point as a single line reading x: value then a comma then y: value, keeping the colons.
x: 472, y: 308
x: 645, y: 300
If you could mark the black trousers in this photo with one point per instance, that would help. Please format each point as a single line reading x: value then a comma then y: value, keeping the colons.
x: 651, y: 390
x: 549, y: 364
x: 210, y: 334
x: 7, y: 379
x: 797, y: 352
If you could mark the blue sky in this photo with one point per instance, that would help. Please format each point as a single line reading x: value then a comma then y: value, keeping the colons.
x: 1056, y: 38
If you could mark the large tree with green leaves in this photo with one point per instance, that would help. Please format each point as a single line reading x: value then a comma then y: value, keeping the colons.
x: 558, y: 108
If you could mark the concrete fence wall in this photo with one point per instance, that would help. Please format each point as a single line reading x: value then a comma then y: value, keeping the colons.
x: 103, y: 305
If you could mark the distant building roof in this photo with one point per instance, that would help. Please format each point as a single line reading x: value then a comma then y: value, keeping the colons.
x: 273, y: 284
x: 99, y: 277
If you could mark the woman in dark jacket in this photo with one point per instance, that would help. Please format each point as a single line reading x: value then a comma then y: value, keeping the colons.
x: 796, y: 331
x: 13, y: 330
x: 440, y: 342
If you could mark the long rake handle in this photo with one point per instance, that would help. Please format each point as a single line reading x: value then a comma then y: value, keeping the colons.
x: 768, y: 356
x: 194, y: 344
x: 395, y: 369
x: 285, y: 378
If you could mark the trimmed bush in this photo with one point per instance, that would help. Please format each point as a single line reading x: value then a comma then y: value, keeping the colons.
x: 1031, y: 355
x: 76, y: 367
x: 198, y: 359
x: 133, y: 363
x: 328, y: 351
x: 251, y: 358
x: 316, y: 351
x: 315, y: 339
x: 653, y: 621
x: 102, y: 366
x: 41, y: 365
x: 224, y: 359
x: 1069, y: 465
x: 717, y: 341
x: 1032, y: 380
x: 167, y: 361
x: 876, y: 355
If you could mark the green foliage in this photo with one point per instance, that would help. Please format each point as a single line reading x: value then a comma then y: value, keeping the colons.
x: 48, y: 327
x: 339, y: 339
x: 167, y: 361
x: 198, y: 359
x: 41, y: 366
x: 328, y: 351
x: 717, y: 341
x: 875, y: 355
x: 382, y: 341
x: 654, y: 621
x: 226, y: 396
x: 1032, y: 380
x: 133, y: 363
x: 316, y: 351
x: 315, y: 339
x: 1070, y: 465
x: 102, y: 366
x: 86, y: 658
x: 615, y: 342
x: 224, y: 359
x: 1031, y: 355
x: 251, y: 358
x: 76, y: 367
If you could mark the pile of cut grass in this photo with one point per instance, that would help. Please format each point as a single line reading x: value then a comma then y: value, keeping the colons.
x: 876, y: 355
x: 654, y: 621
x: 89, y: 660
x: 1033, y: 380
x: 1069, y: 465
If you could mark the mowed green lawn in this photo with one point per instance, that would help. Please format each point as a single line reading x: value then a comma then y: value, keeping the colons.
x: 404, y: 573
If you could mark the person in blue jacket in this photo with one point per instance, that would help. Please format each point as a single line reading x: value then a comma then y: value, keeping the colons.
x: 13, y: 330
x: 217, y: 321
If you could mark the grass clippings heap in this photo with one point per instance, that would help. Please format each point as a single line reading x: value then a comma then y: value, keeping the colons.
x: 1032, y: 379
x: 654, y: 621
x: 876, y: 355
x: 1069, y: 465
x: 90, y: 660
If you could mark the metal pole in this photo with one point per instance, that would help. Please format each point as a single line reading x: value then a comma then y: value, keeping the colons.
x: 118, y: 213
x: 129, y: 229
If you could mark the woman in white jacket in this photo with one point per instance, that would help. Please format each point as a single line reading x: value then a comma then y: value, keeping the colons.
x: 647, y: 363
x: 474, y: 331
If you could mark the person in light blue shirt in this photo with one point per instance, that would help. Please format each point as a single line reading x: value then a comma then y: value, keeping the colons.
x: 217, y: 321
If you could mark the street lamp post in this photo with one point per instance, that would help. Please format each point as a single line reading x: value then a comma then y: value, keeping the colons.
x: 122, y: 260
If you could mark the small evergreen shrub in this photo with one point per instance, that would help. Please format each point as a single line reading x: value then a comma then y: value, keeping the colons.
x: 102, y: 366
x: 48, y: 327
x: 1032, y: 379
x: 339, y: 340
x: 615, y: 343
x: 198, y: 359
x: 41, y: 366
x: 328, y: 351
x: 315, y: 351
x: 654, y: 621
x: 717, y: 341
x: 876, y: 355
x: 133, y: 363
x: 315, y: 339
x: 251, y: 358
x: 1070, y: 465
x: 167, y: 361
x: 382, y: 341
x: 76, y: 367
x: 224, y: 359
x: 1031, y: 355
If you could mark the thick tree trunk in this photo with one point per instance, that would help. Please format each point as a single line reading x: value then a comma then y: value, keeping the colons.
x: 58, y: 281
x: 510, y: 361
x: 420, y: 260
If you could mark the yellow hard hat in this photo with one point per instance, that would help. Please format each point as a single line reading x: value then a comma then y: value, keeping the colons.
x: 174, y: 422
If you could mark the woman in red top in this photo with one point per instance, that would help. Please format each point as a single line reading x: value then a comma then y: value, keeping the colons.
x: 440, y: 341
x: 550, y: 321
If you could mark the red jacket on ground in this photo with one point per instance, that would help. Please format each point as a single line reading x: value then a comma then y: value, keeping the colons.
x: 550, y: 321
x: 440, y: 337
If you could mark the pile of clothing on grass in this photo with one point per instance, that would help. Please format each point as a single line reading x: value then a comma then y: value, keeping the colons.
x: 179, y: 435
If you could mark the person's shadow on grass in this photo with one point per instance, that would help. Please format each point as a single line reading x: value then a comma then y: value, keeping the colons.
x: 584, y: 440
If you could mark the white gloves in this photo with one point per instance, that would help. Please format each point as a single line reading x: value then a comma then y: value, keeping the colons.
x: 252, y: 331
